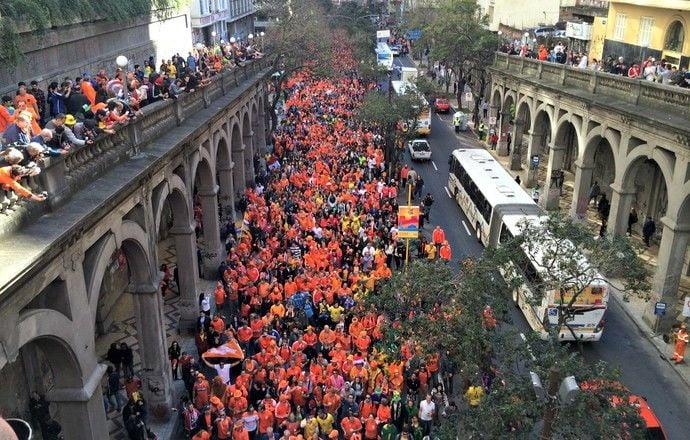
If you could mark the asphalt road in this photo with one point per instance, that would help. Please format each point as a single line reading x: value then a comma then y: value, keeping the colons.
x: 622, y: 345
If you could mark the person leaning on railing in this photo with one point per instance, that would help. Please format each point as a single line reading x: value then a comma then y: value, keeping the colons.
x: 9, y: 179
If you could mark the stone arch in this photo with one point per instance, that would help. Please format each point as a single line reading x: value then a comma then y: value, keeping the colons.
x: 258, y: 130
x: 591, y: 142
x: 522, y: 124
x: 540, y: 134
x: 237, y: 149
x: 496, y: 96
x: 567, y: 135
x: 202, y: 161
x: 106, y: 247
x: 174, y: 190
x: 248, y: 142
x: 647, y: 192
x: 54, y: 334
x: 224, y: 172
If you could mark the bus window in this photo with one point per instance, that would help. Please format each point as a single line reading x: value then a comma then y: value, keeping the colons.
x: 505, y: 235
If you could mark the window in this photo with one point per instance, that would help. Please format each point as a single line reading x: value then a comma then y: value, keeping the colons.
x: 619, y: 30
x: 646, y: 25
x: 675, y: 37
x: 202, y: 11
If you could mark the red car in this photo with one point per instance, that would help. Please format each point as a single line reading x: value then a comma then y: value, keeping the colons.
x: 442, y: 105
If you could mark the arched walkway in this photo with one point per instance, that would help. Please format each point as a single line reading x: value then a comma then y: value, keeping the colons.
x: 238, y: 153
x: 597, y: 165
x: 505, y: 122
x: 537, y: 147
x: 522, y: 126
x: 206, y: 216
x: 561, y: 157
x: 224, y: 166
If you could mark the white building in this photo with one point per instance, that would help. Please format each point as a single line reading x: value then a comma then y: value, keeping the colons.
x: 522, y: 15
x: 216, y: 20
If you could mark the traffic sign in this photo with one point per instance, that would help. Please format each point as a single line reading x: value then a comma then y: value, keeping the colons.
x: 408, y: 221
x: 660, y: 308
x: 686, y: 307
x: 492, y: 120
x: 414, y: 34
x: 468, y: 96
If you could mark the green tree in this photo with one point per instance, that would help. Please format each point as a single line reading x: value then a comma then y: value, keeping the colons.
x: 299, y: 39
x: 385, y: 112
x: 568, y: 259
x: 460, y: 39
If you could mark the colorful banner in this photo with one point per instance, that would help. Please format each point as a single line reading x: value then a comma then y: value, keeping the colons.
x: 408, y: 221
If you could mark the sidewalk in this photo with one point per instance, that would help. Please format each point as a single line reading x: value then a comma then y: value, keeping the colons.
x: 634, y: 308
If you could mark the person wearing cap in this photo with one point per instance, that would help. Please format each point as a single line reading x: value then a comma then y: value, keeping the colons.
x: 66, y: 122
x: 237, y: 404
x: 202, y: 391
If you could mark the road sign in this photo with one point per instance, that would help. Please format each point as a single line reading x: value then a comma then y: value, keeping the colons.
x: 492, y: 120
x: 660, y: 308
x: 408, y: 221
x: 414, y: 34
x: 383, y: 34
x: 468, y: 96
x: 686, y: 307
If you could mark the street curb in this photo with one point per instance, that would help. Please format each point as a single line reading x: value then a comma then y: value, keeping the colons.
x: 656, y: 341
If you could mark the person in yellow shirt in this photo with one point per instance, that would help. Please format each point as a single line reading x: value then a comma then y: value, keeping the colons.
x: 278, y: 309
x: 336, y: 311
x: 172, y: 70
x: 474, y: 395
x: 325, y: 421
x: 430, y: 251
x: 310, y: 426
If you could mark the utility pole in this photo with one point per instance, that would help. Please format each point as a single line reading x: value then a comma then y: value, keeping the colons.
x: 390, y: 88
x: 551, y: 403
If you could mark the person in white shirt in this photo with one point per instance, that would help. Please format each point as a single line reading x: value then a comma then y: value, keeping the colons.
x: 427, y: 408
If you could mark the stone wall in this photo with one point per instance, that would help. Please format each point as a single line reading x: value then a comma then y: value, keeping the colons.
x: 69, y: 51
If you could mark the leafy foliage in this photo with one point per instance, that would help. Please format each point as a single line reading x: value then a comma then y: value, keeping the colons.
x: 21, y: 16
x: 298, y: 40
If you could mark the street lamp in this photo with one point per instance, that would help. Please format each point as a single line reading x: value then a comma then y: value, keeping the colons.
x: 122, y: 62
x: 261, y: 34
x: 250, y: 37
x: 213, y: 34
x: 500, y: 34
x: 526, y: 37
x: 232, y: 40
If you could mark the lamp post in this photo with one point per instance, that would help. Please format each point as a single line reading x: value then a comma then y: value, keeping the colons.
x: 250, y: 38
x: 213, y: 34
x: 526, y: 38
x: 122, y: 62
x: 233, y: 40
x: 500, y: 34
x: 261, y: 34
x: 534, y: 43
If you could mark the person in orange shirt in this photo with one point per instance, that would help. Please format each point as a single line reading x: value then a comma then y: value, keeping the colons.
x: 283, y: 409
x: 88, y: 90
x: 223, y: 426
x: 350, y: 425
x: 278, y: 309
x: 362, y: 342
x: 27, y: 99
x: 355, y: 327
x: 371, y: 428
x: 202, y: 435
x: 202, y: 391
x: 237, y: 404
x: 383, y: 412
x: 438, y: 236
x: 9, y: 180
x: 265, y: 419
x: 239, y: 432
x: 5, y: 117
x: 331, y: 401
x: 445, y: 252
x: 327, y: 338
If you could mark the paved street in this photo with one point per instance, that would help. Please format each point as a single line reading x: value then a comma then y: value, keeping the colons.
x: 643, y: 372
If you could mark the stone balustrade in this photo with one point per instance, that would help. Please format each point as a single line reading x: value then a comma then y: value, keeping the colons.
x: 63, y: 176
x: 673, y: 99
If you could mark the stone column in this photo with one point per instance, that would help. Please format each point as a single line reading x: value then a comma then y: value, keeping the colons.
x: 674, y: 244
x: 621, y: 202
x: 516, y: 152
x: 155, y: 373
x: 212, y: 253
x: 550, y: 194
x: 238, y: 179
x: 259, y: 135
x: 188, y: 273
x: 534, y: 145
x: 227, y: 194
x: 583, y: 181
x: 82, y: 415
x: 504, y: 125
x: 248, y: 161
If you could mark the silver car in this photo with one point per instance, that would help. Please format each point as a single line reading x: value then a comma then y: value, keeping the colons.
x: 419, y: 149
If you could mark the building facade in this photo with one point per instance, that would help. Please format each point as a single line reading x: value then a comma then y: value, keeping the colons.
x: 518, y: 15
x: 216, y: 21
x: 637, y: 29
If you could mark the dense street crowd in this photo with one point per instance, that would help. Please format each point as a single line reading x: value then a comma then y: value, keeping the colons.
x: 35, y: 124
x: 319, y: 233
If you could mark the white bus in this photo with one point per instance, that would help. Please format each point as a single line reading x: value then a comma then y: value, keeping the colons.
x: 497, y: 207
x: 384, y: 56
x: 423, y: 123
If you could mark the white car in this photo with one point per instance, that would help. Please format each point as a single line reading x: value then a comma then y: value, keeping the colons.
x: 419, y: 149
x: 395, y: 49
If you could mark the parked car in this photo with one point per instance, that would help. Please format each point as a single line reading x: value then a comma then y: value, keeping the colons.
x: 558, y: 34
x: 395, y: 48
x: 419, y: 149
x: 442, y: 105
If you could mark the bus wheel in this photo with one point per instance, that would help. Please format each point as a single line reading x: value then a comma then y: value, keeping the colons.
x: 479, y: 233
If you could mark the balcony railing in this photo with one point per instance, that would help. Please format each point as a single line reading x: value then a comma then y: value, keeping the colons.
x: 646, y: 94
x: 65, y: 175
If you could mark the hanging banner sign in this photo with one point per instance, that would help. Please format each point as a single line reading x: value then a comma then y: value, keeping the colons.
x: 408, y: 221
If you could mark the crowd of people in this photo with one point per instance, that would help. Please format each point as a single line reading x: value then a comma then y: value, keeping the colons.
x: 650, y: 69
x: 319, y: 233
x: 35, y: 124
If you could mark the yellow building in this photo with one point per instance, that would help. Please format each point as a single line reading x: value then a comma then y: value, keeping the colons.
x: 637, y: 29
